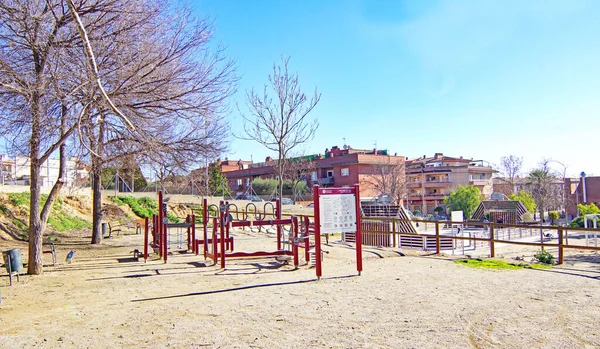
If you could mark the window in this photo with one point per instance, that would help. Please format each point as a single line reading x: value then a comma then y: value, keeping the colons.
x: 345, y: 171
x: 247, y: 182
x: 238, y: 182
x: 313, y: 176
x: 330, y: 174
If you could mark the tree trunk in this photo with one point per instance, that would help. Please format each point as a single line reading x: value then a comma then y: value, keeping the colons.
x: 97, y: 200
x: 97, y: 163
x: 35, y: 263
x: 62, y: 170
x: 280, y: 169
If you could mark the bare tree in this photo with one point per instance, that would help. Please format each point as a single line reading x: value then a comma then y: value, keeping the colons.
x: 280, y: 123
x: 388, y: 176
x: 510, y: 168
x: 38, y: 111
x: 164, y: 78
x: 155, y: 66
x: 540, y: 184
x: 299, y: 169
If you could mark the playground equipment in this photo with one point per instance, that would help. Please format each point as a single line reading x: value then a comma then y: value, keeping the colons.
x: 161, y: 233
x: 341, y: 205
x: 220, y: 244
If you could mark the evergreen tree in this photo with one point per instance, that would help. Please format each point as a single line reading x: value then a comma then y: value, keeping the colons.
x: 217, y: 182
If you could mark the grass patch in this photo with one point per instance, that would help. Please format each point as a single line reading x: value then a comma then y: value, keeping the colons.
x: 24, y: 198
x: 142, y: 207
x: 19, y: 199
x: 19, y: 224
x: 499, y: 265
x: 61, y: 221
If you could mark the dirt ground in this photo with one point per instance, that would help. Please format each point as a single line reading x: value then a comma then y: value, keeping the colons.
x: 403, y: 299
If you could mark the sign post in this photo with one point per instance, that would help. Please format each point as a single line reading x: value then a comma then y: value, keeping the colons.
x: 337, y: 210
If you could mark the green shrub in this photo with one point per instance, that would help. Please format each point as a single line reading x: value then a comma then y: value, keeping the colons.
x: 577, y: 223
x: 545, y: 257
x: 116, y: 200
x: 588, y: 209
x: 3, y: 209
x: 172, y: 218
x: 61, y: 221
x: 143, y: 207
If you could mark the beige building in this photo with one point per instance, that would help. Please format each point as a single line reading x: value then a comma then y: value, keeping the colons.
x: 431, y: 179
x: 16, y: 171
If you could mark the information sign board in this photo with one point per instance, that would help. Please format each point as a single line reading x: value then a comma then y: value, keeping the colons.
x: 337, y: 210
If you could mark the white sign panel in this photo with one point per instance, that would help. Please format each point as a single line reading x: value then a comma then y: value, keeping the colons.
x: 337, y: 213
x: 456, y: 216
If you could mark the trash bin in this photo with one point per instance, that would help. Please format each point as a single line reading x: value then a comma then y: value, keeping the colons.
x: 104, y: 229
x: 16, y: 264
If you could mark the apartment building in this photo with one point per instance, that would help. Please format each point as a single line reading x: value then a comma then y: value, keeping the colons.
x: 431, y: 179
x: 337, y: 167
x: 16, y: 171
x: 583, y: 190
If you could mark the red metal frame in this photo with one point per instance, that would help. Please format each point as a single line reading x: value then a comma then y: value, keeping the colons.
x: 222, y: 243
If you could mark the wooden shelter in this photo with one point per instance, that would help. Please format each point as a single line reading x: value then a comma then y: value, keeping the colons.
x: 508, y: 212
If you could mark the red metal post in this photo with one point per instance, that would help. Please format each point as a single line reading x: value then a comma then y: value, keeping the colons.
x: 165, y: 240
x: 358, y: 231
x: 227, y: 227
x: 278, y: 216
x: 205, y: 225
x: 222, y: 237
x: 159, y: 225
x: 318, y: 266
x: 194, y: 246
x: 295, y: 240
x: 214, y: 240
x: 307, y: 239
x: 189, y: 233
x: 146, y: 227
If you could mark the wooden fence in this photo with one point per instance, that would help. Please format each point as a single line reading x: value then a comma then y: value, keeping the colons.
x: 379, y: 230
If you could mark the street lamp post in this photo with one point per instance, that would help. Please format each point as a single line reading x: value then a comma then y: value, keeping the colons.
x: 583, y: 188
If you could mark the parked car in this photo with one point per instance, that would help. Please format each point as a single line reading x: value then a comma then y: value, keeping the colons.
x: 285, y: 201
x: 249, y: 197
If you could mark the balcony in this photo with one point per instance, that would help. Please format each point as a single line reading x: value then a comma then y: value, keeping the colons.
x: 428, y: 196
x: 431, y: 183
x: 477, y: 181
x: 325, y: 181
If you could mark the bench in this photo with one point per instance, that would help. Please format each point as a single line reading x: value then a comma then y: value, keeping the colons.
x: 118, y: 228
x: 50, y: 249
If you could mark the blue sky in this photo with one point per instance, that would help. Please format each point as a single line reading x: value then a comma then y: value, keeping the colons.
x: 481, y: 79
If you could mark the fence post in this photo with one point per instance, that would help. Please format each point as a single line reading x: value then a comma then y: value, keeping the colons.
x: 492, y: 252
x: 437, y: 237
x: 394, y: 233
x: 560, y: 246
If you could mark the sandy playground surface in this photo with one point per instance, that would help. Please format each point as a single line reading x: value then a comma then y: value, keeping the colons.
x: 105, y: 299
